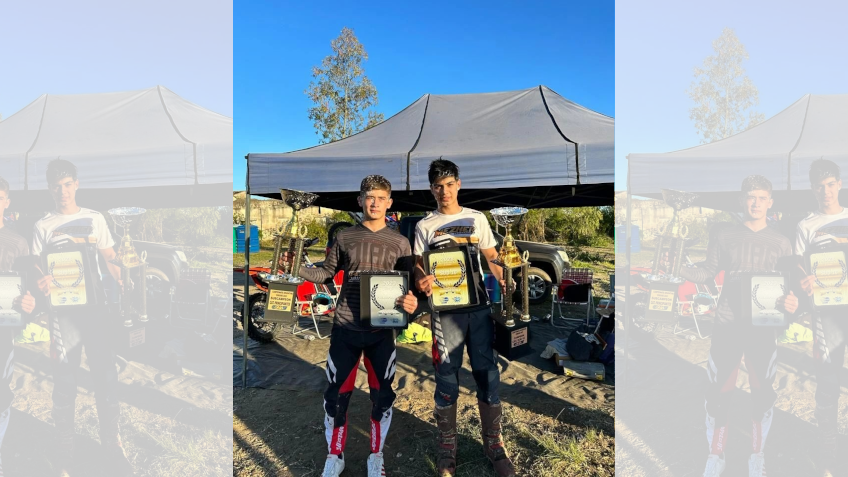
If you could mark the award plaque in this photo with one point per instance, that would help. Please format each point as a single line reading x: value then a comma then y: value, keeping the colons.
x: 11, y: 287
x: 377, y: 294
x: 830, y: 267
x: 282, y: 297
x: 662, y: 302
x: 760, y: 292
x: 453, y: 287
x: 72, y: 269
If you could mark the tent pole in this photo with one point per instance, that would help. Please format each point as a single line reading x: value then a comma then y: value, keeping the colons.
x: 246, y: 313
x: 628, y: 221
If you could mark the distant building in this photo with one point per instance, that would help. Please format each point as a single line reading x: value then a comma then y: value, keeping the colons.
x: 269, y: 214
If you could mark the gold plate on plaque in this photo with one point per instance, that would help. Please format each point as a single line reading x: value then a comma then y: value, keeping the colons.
x: 830, y: 269
x: 68, y: 271
x: 454, y: 287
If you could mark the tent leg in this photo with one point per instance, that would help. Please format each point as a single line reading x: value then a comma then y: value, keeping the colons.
x: 246, y: 313
x: 628, y: 308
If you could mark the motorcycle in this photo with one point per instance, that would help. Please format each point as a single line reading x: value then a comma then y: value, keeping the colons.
x: 321, y: 297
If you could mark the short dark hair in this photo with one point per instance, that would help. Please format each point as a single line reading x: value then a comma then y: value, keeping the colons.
x: 442, y: 168
x: 59, y: 169
x: 375, y: 182
x: 4, y: 186
x: 756, y: 182
x: 821, y: 169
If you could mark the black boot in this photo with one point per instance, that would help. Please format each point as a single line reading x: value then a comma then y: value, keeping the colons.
x: 115, y: 457
x: 63, y: 419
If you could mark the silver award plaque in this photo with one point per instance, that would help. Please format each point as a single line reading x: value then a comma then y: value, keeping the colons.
x: 764, y: 292
x: 378, y: 293
x: 11, y: 287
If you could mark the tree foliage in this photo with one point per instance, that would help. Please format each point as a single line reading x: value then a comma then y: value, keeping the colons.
x: 341, y: 92
x: 723, y: 93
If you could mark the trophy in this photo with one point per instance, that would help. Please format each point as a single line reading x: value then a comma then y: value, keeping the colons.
x: 378, y: 292
x: 127, y: 259
x: 509, y: 259
x: 662, y: 299
x: 282, y: 285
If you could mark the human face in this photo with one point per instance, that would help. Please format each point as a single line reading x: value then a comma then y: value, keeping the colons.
x: 4, y: 203
x: 374, y: 203
x: 827, y: 192
x: 445, y: 191
x: 757, y: 203
x: 64, y: 192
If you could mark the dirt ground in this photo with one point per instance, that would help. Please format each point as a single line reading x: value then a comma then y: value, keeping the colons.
x: 554, y: 425
x: 171, y: 423
x: 660, y: 420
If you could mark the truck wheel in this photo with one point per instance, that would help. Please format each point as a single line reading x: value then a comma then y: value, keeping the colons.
x: 155, y: 275
x: 262, y: 332
x: 540, y: 286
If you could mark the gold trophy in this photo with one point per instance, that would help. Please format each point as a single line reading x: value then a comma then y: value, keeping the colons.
x: 282, y: 285
x: 662, y: 293
x: 510, y: 259
x: 127, y: 259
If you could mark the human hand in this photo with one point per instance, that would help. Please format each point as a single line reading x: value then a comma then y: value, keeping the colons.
x: 25, y: 302
x: 807, y: 284
x: 44, y: 284
x: 788, y: 302
x: 425, y: 284
x: 408, y: 302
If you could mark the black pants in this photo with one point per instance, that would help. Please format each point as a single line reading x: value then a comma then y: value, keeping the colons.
x: 830, y: 333
x: 730, y: 343
x: 68, y: 336
x: 475, y: 332
x: 346, y: 349
x: 7, y: 359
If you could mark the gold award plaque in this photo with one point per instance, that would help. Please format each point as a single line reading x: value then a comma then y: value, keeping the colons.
x: 661, y: 300
x: 452, y: 285
x: 68, y: 287
x: 280, y: 300
x: 830, y: 286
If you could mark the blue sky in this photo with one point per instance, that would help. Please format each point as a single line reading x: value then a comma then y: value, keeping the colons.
x: 414, y: 49
x: 99, y: 46
x: 794, y: 49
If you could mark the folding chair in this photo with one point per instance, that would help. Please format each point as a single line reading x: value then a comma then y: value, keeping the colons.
x: 605, y: 305
x: 574, y: 289
x: 305, y: 302
x: 693, y: 312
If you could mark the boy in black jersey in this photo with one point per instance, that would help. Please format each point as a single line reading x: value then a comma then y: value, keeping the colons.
x: 751, y: 246
x: 13, y: 247
x: 368, y: 246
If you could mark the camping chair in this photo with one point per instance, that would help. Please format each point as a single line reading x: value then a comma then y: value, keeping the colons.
x: 607, y: 307
x: 574, y: 289
x: 305, y: 303
x: 692, y: 307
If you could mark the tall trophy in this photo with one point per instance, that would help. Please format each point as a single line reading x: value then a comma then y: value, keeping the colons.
x: 662, y: 299
x: 282, y: 285
x: 512, y: 341
x: 127, y: 259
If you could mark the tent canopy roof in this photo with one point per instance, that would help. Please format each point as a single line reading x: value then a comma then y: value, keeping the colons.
x: 780, y: 149
x: 532, y: 145
x: 125, y: 143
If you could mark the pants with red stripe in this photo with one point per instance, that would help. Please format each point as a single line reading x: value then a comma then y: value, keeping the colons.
x: 347, y: 347
x: 731, y: 343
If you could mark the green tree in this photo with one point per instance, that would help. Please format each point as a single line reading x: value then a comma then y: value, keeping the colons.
x: 341, y: 92
x: 722, y: 92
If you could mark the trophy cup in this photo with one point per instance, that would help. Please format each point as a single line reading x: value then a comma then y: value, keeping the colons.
x: 282, y: 285
x: 509, y: 259
x: 127, y: 259
x: 663, y: 289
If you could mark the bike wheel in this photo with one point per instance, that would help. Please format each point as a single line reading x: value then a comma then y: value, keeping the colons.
x: 259, y: 331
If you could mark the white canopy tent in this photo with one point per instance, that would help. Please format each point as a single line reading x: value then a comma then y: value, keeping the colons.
x: 529, y: 147
x: 147, y: 148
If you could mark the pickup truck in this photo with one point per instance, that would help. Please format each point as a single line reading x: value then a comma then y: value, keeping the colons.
x: 547, y: 261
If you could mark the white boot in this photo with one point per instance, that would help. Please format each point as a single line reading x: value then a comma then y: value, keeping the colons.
x: 333, y: 466
x: 375, y: 465
x: 715, y: 466
x: 756, y: 466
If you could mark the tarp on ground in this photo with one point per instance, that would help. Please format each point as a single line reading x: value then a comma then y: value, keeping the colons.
x: 136, y: 147
x: 537, y: 148
x: 781, y: 149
